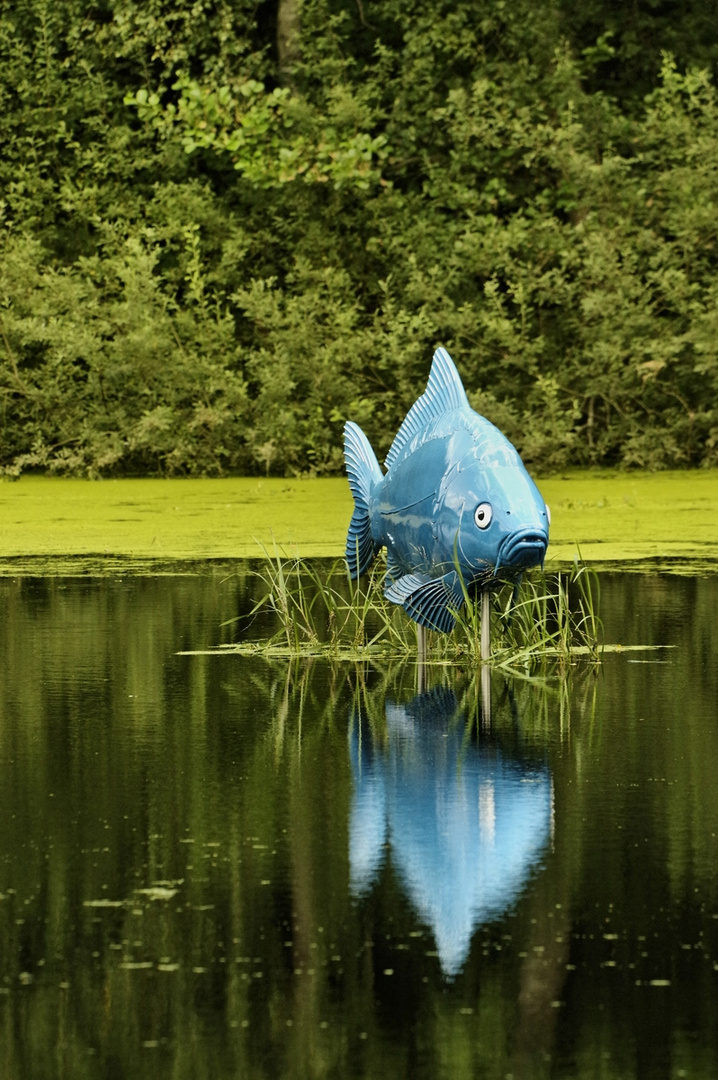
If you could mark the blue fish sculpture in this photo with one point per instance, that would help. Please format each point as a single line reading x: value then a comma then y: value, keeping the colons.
x: 455, y: 507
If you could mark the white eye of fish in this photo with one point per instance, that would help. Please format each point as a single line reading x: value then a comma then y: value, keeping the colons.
x: 483, y: 515
x: 548, y: 514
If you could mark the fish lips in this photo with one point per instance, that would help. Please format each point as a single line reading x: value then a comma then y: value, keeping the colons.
x: 521, y: 549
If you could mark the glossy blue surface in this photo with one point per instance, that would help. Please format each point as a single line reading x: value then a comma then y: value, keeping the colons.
x: 464, y: 823
x: 455, y: 507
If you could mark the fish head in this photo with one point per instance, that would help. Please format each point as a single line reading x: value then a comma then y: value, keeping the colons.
x: 503, y: 522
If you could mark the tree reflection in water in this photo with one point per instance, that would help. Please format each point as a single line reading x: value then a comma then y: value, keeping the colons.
x: 220, y: 866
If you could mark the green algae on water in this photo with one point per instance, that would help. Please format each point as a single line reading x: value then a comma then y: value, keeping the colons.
x: 636, y: 520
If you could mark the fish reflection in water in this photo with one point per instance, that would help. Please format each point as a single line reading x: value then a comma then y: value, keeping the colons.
x: 465, y: 823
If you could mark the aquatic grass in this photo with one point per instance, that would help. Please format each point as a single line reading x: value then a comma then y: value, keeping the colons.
x: 556, y: 616
x: 548, y: 617
x: 321, y: 612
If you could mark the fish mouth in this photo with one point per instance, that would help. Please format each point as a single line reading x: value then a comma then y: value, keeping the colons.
x: 521, y: 549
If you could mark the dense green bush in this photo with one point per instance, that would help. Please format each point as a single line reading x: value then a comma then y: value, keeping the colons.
x: 209, y: 260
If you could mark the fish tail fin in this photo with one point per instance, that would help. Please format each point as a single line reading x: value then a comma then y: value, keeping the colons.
x: 364, y: 473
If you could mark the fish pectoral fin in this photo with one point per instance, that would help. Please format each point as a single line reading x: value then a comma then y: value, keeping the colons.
x: 432, y: 603
x: 404, y: 585
x: 394, y: 569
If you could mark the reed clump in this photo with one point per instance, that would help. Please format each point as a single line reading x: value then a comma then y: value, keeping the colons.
x: 548, y: 616
x: 319, y: 611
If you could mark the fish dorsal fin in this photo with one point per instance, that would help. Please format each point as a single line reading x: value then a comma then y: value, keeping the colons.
x: 444, y: 392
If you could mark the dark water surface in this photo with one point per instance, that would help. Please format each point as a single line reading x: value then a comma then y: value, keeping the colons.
x: 217, y: 867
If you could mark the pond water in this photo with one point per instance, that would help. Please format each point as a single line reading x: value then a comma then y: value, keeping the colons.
x: 216, y: 866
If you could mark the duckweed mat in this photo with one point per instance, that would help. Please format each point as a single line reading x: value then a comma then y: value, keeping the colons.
x: 663, y: 521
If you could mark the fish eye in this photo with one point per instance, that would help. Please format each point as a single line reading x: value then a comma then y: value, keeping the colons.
x: 483, y: 515
x: 548, y: 513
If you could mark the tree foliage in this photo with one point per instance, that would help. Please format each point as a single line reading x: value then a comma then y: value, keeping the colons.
x: 209, y: 262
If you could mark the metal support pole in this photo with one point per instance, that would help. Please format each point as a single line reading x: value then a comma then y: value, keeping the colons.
x: 485, y: 625
x: 421, y: 635
x: 486, y: 696
x: 485, y: 657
